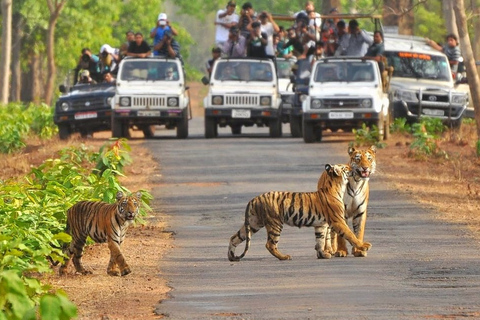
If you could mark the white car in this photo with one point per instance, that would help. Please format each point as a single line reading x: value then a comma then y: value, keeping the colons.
x: 149, y: 92
x: 345, y: 93
x: 422, y: 83
x: 243, y: 92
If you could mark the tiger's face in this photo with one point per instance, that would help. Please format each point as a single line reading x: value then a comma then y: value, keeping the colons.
x: 363, y: 162
x: 128, y: 206
x: 342, y: 171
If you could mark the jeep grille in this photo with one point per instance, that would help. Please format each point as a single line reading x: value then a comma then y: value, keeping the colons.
x: 241, y: 100
x: 84, y: 104
x: 341, y: 103
x: 148, y: 102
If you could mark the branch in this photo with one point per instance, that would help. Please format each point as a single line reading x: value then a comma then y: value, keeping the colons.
x: 404, y: 11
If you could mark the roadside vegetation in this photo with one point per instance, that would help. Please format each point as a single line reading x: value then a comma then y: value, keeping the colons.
x: 33, y: 211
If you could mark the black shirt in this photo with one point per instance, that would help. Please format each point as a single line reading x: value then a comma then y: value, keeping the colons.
x: 142, y: 48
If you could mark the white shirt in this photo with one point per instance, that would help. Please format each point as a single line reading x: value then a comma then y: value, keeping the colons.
x: 311, y: 22
x: 268, y: 29
x: 221, y: 33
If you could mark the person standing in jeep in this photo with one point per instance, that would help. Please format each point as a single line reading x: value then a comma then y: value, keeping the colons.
x: 451, y: 50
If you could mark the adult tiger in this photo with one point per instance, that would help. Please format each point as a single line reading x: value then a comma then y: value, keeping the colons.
x: 319, y: 209
x: 363, y: 164
x: 103, y: 222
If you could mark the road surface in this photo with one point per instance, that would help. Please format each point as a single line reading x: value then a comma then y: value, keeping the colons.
x: 418, y: 267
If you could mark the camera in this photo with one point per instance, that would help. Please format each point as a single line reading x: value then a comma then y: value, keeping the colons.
x: 85, y: 57
x: 104, y: 54
x: 168, y: 33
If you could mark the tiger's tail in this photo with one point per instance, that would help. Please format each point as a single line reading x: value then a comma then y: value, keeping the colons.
x: 248, y: 235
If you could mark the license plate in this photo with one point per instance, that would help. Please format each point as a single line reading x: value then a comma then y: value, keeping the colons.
x: 148, y: 113
x: 340, y: 115
x: 85, y: 115
x: 239, y: 113
x: 433, y: 112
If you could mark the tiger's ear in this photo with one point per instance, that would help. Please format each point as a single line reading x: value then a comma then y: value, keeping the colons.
x: 373, y: 149
x: 119, y: 195
x: 351, y: 150
x: 337, y: 170
x: 328, y: 167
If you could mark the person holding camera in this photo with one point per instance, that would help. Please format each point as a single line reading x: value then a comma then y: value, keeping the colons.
x: 247, y: 16
x: 257, y: 41
x: 139, y: 48
x: 224, y: 20
x: 109, y: 59
x: 157, y: 33
x: 168, y: 46
x: 85, y: 78
x: 88, y: 61
x: 235, y: 46
x: 269, y: 27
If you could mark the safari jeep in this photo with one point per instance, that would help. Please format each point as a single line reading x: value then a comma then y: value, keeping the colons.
x: 243, y: 92
x: 345, y: 93
x: 422, y: 83
x: 149, y: 92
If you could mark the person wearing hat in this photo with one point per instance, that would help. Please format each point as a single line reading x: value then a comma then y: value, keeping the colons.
x: 109, y: 59
x: 88, y: 61
x: 85, y: 78
x: 216, y: 53
x: 235, y: 46
x: 168, y: 46
x: 224, y: 20
x: 157, y: 33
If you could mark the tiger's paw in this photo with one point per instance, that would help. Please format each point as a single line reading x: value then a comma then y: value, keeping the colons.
x: 126, y: 271
x: 284, y: 257
x: 113, y: 272
x: 323, y: 255
x: 358, y: 253
x: 365, y: 246
x: 341, y: 253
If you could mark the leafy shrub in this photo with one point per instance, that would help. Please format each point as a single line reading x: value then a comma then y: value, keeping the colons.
x: 366, y: 136
x: 32, y: 220
x: 426, y: 134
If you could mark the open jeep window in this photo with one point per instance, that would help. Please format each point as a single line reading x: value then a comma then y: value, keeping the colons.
x: 243, y: 71
x: 284, y: 68
x: 418, y: 66
x: 149, y: 71
x: 345, y: 71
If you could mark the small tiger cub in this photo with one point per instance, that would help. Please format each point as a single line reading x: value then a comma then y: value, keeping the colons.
x: 320, y: 209
x: 103, y: 222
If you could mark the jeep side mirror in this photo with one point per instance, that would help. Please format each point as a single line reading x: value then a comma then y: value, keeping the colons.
x: 205, y: 80
x: 62, y: 88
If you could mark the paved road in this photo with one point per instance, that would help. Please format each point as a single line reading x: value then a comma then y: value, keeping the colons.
x: 418, y: 267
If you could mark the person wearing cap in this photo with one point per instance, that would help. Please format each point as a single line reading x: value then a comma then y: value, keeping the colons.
x: 163, y: 24
x: 224, y: 20
x: 235, y: 47
x: 139, y: 48
x: 216, y: 53
x: 85, y: 78
x: 257, y: 41
x: 109, y: 59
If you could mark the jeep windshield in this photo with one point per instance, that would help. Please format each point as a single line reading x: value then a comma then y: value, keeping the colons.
x: 284, y: 68
x: 243, y: 71
x: 154, y: 70
x: 419, y: 65
x: 343, y: 71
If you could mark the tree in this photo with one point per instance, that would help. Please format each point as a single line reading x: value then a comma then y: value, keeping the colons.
x: 6, y: 50
x: 469, y: 60
x: 55, y: 7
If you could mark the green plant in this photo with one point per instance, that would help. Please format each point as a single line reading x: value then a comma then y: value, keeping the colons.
x: 426, y: 134
x: 366, y: 136
x: 115, y: 157
x: 400, y: 125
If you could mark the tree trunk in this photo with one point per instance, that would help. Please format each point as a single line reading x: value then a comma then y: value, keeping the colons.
x: 399, y: 13
x: 466, y: 48
x: 17, y: 36
x: 55, y: 9
x: 327, y: 5
x: 6, y: 50
x: 449, y: 17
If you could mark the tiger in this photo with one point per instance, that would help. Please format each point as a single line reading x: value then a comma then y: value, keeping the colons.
x: 363, y: 164
x: 103, y: 222
x: 320, y: 209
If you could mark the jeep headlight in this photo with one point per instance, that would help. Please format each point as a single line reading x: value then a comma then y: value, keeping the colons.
x: 405, y: 95
x: 124, y: 101
x: 366, y: 103
x: 265, y: 101
x: 217, y: 100
x: 65, y: 106
x: 109, y: 101
x: 172, y: 102
x: 316, y: 104
x: 459, y: 99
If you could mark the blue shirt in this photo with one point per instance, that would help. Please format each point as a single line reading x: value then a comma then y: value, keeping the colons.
x: 159, y: 36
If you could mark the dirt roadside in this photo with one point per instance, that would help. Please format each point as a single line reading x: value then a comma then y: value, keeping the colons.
x: 451, y: 188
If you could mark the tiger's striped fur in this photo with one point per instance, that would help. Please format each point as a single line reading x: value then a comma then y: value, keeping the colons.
x: 319, y: 209
x: 103, y: 222
x: 363, y: 164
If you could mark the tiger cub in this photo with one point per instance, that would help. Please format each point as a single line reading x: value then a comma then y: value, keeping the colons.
x: 363, y: 164
x: 103, y: 222
x: 319, y: 209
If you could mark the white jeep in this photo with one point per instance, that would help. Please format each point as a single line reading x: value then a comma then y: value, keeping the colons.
x: 149, y: 92
x: 243, y: 92
x: 344, y: 93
